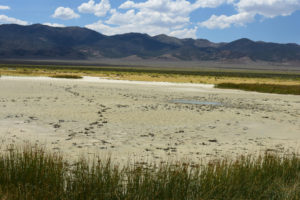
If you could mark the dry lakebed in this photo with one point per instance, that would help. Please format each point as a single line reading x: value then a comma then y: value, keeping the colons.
x: 144, y: 121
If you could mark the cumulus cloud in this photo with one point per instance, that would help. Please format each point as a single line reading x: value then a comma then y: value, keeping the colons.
x: 248, y: 9
x: 112, y: 30
x: 172, y: 17
x: 147, y: 17
x: 151, y: 30
x: 65, y: 13
x: 184, y: 33
x: 100, y: 27
x: 154, y: 17
x: 270, y: 8
x: 165, y: 6
x: 211, y: 3
x: 53, y: 24
x: 4, y: 7
x: 99, y: 9
x: 10, y: 20
x: 224, y: 21
x: 181, y: 6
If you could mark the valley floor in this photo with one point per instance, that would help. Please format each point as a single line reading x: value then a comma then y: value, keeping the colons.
x: 145, y: 121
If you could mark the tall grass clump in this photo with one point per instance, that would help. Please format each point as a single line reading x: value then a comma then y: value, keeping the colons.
x: 34, y: 174
x: 31, y: 174
x: 267, y: 88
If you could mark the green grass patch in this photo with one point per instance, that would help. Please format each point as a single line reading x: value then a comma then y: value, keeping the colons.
x: 68, y: 76
x: 32, y: 173
x: 267, y: 88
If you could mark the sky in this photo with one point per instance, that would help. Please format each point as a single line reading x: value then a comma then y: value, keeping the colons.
x: 215, y: 20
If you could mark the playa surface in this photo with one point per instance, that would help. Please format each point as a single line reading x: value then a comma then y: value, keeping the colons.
x: 145, y: 121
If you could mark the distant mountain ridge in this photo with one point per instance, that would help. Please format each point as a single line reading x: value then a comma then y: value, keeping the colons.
x: 44, y: 42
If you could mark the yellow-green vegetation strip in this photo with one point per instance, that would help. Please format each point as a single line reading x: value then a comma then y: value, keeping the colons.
x: 68, y: 76
x: 212, y: 76
x: 32, y: 173
x: 266, y: 88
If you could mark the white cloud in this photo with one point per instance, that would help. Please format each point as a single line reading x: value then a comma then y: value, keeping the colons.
x: 184, y: 33
x: 150, y: 29
x: 180, y: 6
x: 127, y: 5
x: 112, y: 30
x: 121, y: 18
x: 99, y: 9
x: 65, y: 13
x: 4, y: 7
x: 172, y: 17
x: 102, y: 28
x: 248, y: 9
x: 53, y: 24
x: 268, y: 8
x: 224, y: 21
x: 211, y: 3
x: 10, y: 20
x: 153, y: 17
x: 147, y: 17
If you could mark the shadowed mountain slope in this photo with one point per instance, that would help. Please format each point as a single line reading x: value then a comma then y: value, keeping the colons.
x: 45, y: 42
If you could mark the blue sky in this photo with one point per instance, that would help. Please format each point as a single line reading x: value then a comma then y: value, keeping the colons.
x: 216, y: 20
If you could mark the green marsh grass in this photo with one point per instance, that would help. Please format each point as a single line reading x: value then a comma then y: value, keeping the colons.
x: 267, y: 88
x: 32, y: 173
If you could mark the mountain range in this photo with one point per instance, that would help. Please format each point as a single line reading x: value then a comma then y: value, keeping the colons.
x: 44, y: 42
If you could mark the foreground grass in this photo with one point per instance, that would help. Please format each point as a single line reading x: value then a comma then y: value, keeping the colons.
x: 267, y: 88
x: 34, y: 174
